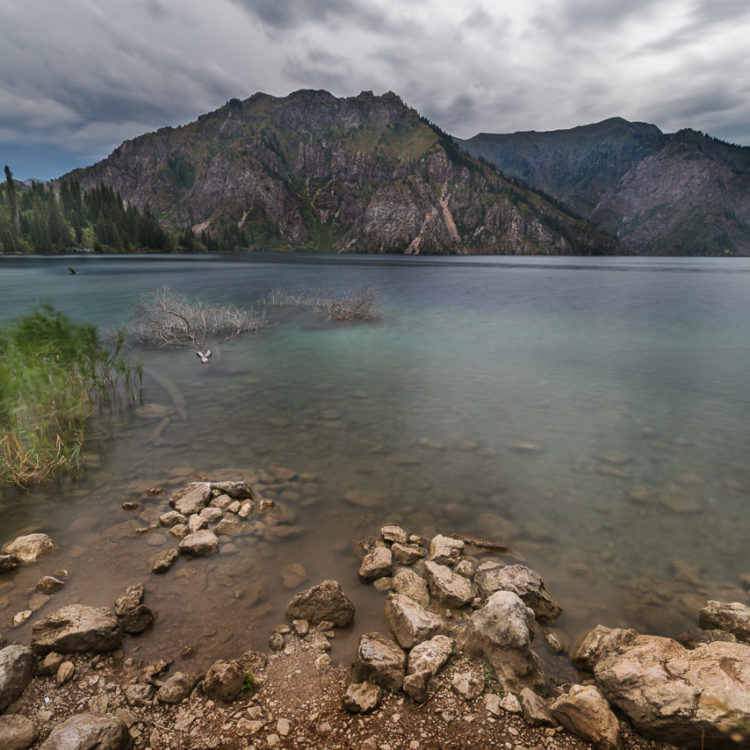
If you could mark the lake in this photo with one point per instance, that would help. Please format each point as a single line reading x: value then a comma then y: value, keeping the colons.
x: 593, y: 413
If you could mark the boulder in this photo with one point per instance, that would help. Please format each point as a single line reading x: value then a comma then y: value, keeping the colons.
x: 536, y: 711
x: 326, y: 601
x: 407, y: 582
x: 731, y: 617
x: 138, y: 694
x: 376, y: 564
x: 89, y: 731
x: 224, y: 681
x: 406, y: 554
x: 362, y: 697
x: 502, y: 631
x: 16, y: 732
x: 177, y: 687
x: 192, y: 498
x: 17, y: 667
x: 585, y: 712
x: 77, y: 628
x: 445, y: 550
x: 697, y: 637
x: 30, y: 548
x: 394, y: 534
x: 527, y: 583
x: 380, y: 659
x: 426, y: 659
x: 410, y: 623
x: 448, y: 587
x: 200, y: 544
x: 671, y: 693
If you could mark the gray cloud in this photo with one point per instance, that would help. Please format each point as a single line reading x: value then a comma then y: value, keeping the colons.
x: 76, y: 78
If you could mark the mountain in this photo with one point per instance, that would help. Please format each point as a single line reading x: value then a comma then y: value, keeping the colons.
x: 312, y: 171
x: 683, y: 193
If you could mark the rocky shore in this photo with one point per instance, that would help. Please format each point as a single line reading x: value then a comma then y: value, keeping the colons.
x: 469, y: 658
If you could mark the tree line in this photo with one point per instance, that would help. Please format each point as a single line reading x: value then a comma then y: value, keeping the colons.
x: 37, y: 218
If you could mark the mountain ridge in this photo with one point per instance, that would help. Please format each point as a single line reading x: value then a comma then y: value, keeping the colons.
x: 313, y: 171
x: 659, y: 193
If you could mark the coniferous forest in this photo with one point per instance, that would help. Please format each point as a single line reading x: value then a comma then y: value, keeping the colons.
x: 44, y: 218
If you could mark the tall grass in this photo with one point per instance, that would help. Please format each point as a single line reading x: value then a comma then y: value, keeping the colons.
x: 54, y: 374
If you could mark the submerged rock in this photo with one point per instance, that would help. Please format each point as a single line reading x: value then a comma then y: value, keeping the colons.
x: 162, y: 562
x: 326, y: 601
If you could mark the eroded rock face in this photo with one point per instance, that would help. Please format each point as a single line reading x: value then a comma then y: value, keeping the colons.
x: 17, y: 667
x: 77, y: 628
x: 326, y: 601
x: 669, y: 692
x: 89, y: 731
x: 521, y: 580
x: 731, y: 617
x: 379, y: 658
x: 409, y: 622
x: 16, y: 732
x: 30, y: 548
x: 447, y: 587
x: 585, y: 712
x: 501, y: 631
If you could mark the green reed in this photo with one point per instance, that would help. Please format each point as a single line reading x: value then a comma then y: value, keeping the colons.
x: 54, y: 374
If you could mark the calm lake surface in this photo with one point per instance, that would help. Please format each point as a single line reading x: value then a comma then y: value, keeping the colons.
x: 592, y: 413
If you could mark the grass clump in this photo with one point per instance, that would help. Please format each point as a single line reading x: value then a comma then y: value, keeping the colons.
x: 248, y: 683
x: 53, y: 374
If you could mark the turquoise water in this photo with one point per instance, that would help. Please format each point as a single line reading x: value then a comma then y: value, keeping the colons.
x: 582, y: 358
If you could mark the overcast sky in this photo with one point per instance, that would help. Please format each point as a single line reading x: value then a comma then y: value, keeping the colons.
x: 77, y: 77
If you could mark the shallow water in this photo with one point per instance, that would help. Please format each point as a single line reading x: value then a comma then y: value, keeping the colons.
x: 581, y: 358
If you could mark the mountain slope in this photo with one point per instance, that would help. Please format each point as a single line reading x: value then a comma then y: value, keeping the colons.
x: 682, y: 194
x: 361, y: 174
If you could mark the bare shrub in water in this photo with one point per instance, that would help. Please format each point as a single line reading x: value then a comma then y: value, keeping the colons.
x: 363, y: 304
x: 166, y: 318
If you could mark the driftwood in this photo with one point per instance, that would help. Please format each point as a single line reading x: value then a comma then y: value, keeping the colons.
x: 482, y: 542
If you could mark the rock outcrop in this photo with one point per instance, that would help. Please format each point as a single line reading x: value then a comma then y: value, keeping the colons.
x: 690, y: 697
x: 361, y: 174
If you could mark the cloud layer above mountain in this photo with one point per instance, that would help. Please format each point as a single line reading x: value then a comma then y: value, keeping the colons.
x: 76, y: 78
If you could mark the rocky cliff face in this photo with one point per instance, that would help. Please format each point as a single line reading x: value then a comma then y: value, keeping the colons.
x: 679, y: 194
x: 312, y: 171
